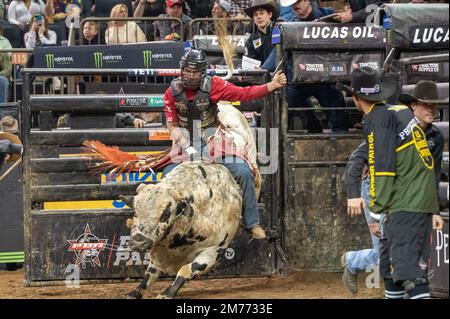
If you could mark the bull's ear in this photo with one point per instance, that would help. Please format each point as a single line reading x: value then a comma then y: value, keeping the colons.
x: 176, y: 195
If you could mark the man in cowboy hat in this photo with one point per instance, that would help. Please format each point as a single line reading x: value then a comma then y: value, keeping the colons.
x: 423, y: 103
x: 259, y: 44
x: 401, y: 178
x: 10, y: 148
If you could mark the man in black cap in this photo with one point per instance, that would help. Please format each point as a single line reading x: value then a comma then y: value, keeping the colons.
x: 401, y: 177
x: 423, y: 103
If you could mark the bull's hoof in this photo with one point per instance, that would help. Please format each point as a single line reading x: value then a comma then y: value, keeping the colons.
x: 133, y: 295
x: 161, y: 296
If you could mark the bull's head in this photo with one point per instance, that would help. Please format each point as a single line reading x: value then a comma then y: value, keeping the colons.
x: 156, y: 208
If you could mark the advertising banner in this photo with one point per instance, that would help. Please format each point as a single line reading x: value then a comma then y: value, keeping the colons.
x: 150, y: 55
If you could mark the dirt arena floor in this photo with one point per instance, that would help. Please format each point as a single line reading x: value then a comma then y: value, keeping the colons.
x: 298, y: 285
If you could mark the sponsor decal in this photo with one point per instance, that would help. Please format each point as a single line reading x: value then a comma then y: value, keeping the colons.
x: 408, y: 129
x: 425, y: 68
x: 257, y: 43
x: 370, y: 90
x: 125, y: 257
x: 429, y: 36
x: 373, y: 65
x: 51, y: 61
x: 130, y: 177
x: 238, y: 41
x: 133, y: 101
x: 312, y: 67
x: 147, y: 54
x: 100, y: 59
x: 371, y: 160
x: 421, y: 144
x: 87, y: 248
x: 156, y: 101
x: 159, y: 135
x: 338, y: 32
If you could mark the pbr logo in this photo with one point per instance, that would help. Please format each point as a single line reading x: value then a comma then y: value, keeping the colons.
x: 98, y: 58
x: 50, y: 60
x: 147, y: 58
x: 87, y: 248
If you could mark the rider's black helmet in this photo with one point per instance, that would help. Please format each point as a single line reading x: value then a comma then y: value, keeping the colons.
x: 194, y: 59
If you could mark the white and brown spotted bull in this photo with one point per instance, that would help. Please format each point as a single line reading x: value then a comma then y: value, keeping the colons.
x: 185, y: 222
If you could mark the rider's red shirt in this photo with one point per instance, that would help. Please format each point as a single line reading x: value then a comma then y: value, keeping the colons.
x: 220, y: 91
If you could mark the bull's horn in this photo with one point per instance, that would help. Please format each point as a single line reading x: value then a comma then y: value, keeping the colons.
x: 176, y: 195
x: 129, y: 200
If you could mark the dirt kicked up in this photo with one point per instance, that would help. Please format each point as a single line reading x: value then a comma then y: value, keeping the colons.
x: 298, y: 285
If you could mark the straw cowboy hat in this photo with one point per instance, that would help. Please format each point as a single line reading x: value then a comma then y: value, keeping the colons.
x: 269, y: 5
x: 369, y: 84
x: 13, y: 139
x: 424, y: 91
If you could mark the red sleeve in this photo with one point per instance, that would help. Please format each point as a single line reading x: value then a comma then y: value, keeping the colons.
x: 169, y: 107
x: 226, y: 91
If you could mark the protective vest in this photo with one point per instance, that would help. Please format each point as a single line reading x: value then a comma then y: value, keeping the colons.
x: 201, y: 110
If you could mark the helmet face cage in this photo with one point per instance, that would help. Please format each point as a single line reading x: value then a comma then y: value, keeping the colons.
x: 195, y: 60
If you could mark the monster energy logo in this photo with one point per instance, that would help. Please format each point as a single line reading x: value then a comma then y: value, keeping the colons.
x: 50, y: 60
x: 147, y: 58
x: 98, y: 57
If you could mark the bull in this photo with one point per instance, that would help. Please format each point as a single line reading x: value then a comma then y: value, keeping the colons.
x: 185, y: 223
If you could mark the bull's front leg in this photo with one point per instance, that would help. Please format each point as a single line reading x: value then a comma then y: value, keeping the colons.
x: 150, y: 276
x: 201, y: 264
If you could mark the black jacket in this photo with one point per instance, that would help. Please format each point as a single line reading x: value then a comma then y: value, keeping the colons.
x: 259, y: 45
x: 358, y: 160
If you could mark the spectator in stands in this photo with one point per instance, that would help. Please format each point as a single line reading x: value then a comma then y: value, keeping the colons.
x: 359, y: 10
x: 21, y: 12
x: 239, y: 6
x: 9, y: 124
x: 173, y: 10
x: 308, y: 10
x: 59, y: 10
x: 326, y: 94
x: 149, y: 8
x: 122, y: 32
x: 199, y: 8
x: 221, y: 9
x: 5, y: 75
x: 90, y: 33
x: 259, y: 44
x: 39, y: 33
x: 286, y: 11
x: 86, y: 8
x: 4, y: 42
x: 3, y: 5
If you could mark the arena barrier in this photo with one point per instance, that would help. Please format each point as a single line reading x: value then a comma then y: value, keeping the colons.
x: 65, y: 206
x: 317, y: 230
